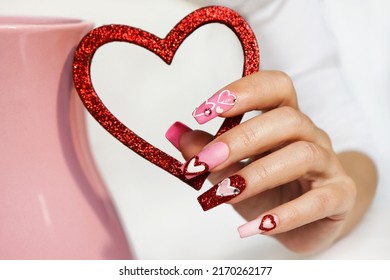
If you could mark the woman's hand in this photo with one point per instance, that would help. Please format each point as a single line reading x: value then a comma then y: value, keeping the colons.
x: 278, y: 169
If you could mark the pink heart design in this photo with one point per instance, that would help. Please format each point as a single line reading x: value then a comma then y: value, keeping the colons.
x: 226, y: 98
x: 225, y: 188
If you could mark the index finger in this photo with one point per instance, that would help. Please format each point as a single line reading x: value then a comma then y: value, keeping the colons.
x: 262, y: 90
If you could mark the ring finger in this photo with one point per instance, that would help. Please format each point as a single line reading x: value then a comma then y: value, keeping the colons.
x: 297, y: 160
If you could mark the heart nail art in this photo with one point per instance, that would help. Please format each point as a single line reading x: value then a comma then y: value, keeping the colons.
x: 226, y: 97
x: 165, y: 48
x: 207, y: 159
x: 222, y: 192
x: 261, y: 225
x: 217, y: 104
x: 195, y: 167
x: 268, y: 222
x: 225, y: 188
x: 219, y: 110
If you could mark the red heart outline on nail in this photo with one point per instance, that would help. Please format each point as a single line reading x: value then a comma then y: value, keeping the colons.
x: 267, y: 219
x: 164, y: 48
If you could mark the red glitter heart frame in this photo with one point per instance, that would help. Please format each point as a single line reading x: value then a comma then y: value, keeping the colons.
x: 164, y: 48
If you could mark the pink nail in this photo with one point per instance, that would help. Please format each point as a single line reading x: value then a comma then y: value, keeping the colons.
x: 174, y: 133
x: 214, y: 106
x: 222, y: 192
x: 264, y: 224
x: 210, y: 157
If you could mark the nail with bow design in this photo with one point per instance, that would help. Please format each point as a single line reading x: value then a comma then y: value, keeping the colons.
x: 210, y: 157
x: 264, y: 224
x: 222, y: 192
x: 214, y: 106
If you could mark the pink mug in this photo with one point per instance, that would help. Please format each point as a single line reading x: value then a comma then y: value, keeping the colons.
x: 53, y: 204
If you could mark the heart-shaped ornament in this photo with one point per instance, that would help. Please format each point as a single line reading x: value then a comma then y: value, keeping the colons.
x: 164, y: 48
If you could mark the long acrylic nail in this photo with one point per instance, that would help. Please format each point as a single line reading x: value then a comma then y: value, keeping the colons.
x: 174, y: 133
x: 210, y: 157
x: 222, y: 192
x: 217, y: 104
x: 264, y: 224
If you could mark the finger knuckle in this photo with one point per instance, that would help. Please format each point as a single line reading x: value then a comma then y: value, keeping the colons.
x: 349, y: 192
x: 284, y: 79
x: 295, y: 119
x: 324, y: 138
x: 263, y: 172
x: 324, y: 201
x: 309, y: 151
x: 248, y: 135
x: 293, y: 213
x: 351, y: 187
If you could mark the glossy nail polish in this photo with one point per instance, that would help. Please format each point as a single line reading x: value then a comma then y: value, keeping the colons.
x: 209, y: 158
x: 264, y: 224
x: 174, y: 133
x: 222, y: 192
x: 214, y: 106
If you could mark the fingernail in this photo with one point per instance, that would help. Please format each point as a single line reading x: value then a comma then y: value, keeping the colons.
x: 222, y: 192
x: 210, y: 157
x: 174, y: 133
x: 214, y: 106
x: 264, y: 224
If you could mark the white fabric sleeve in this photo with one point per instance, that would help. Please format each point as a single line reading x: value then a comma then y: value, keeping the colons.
x: 294, y: 38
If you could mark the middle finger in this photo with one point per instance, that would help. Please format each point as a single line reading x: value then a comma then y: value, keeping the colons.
x: 260, y: 134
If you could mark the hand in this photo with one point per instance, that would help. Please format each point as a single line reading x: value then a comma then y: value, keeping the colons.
x: 292, y: 185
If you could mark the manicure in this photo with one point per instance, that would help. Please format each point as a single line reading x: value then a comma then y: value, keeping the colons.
x: 222, y: 192
x: 264, y: 224
x: 175, y: 132
x: 209, y: 158
x: 214, y: 106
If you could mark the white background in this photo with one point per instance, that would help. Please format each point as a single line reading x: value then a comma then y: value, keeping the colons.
x: 160, y: 214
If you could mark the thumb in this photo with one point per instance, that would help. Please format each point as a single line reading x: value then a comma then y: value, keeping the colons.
x: 192, y: 142
x: 189, y: 142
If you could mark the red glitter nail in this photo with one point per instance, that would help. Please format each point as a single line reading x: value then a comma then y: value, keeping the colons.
x: 222, y: 192
x: 194, y: 167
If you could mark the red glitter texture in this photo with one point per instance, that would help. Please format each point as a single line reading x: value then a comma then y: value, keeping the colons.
x: 165, y: 49
x: 210, y: 199
x: 196, y: 163
x: 272, y: 221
